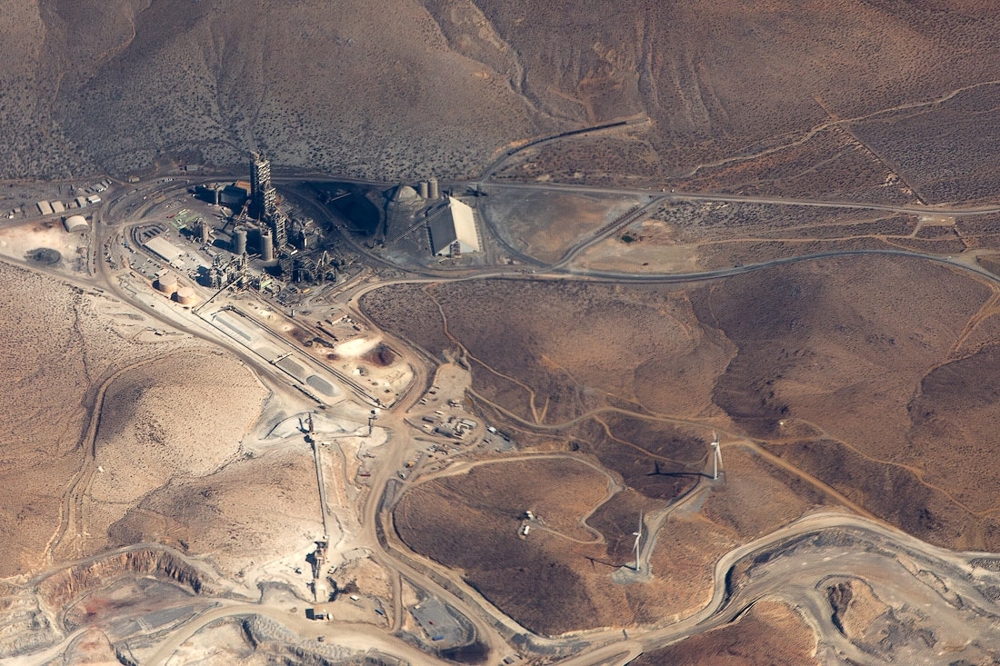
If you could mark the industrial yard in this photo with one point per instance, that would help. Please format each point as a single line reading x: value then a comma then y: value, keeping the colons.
x: 364, y: 440
x: 298, y: 439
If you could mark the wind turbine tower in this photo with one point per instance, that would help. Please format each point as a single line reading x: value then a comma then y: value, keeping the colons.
x: 638, y: 537
x: 716, y: 456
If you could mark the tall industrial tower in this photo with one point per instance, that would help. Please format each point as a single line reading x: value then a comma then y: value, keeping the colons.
x: 263, y: 198
x: 279, y: 227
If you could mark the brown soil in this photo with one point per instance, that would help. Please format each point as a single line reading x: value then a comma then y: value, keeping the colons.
x: 381, y: 356
x: 770, y: 634
x: 757, y: 497
x: 244, y: 514
x: 661, y: 461
x: 548, y: 582
x: 885, y: 390
x: 157, y: 425
x: 62, y: 345
x: 856, y: 609
x: 640, y: 345
x: 92, y: 647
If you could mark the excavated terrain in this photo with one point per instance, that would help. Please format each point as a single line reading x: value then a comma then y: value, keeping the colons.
x: 244, y: 514
x: 128, y: 448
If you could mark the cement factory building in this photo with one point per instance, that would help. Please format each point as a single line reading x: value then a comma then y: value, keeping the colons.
x: 264, y: 200
x: 453, y: 232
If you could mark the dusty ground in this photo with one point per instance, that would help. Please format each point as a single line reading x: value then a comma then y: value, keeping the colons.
x: 158, y: 423
x: 64, y: 342
x: 687, y: 236
x: 25, y: 242
x: 248, y: 513
x: 547, y: 223
x: 169, y: 465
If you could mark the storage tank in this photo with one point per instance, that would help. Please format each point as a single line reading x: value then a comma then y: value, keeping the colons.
x: 422, y: 189
x: 205, y: 231
x: 167, y: 283
x: 186, y: 296
x: 266, y: 245
x: 432, y: 189
x: 239, y: 241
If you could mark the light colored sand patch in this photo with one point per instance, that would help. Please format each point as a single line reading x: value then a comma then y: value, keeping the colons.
x: 159, y: 423
x: 16, y: 242
x: 652, y: 253
x: 357, y: 346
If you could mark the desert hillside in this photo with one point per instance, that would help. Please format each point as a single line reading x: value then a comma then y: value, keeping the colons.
x: 403, y: 88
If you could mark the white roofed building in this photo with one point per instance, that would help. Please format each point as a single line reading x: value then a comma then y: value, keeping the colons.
x: 76, y: 223
x: 454, y: 230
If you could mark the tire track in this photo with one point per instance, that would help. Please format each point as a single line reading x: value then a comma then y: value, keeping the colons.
x: 71, y: 508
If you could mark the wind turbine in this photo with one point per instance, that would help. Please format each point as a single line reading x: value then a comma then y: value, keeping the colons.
x: 716, y: 456
x: 638, y: 536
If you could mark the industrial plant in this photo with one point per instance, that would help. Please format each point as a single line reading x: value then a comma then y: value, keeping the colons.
x: 266, y: 242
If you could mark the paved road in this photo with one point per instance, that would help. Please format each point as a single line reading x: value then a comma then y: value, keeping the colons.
x: 358, y: 637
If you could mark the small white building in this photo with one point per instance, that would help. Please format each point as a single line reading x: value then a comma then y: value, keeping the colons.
x: 454, y: 230
x: 164, y: 249
x: 76, y: 223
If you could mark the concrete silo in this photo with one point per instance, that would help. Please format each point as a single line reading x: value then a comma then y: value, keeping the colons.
x: 266, y: 245
x: 239, y: 241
